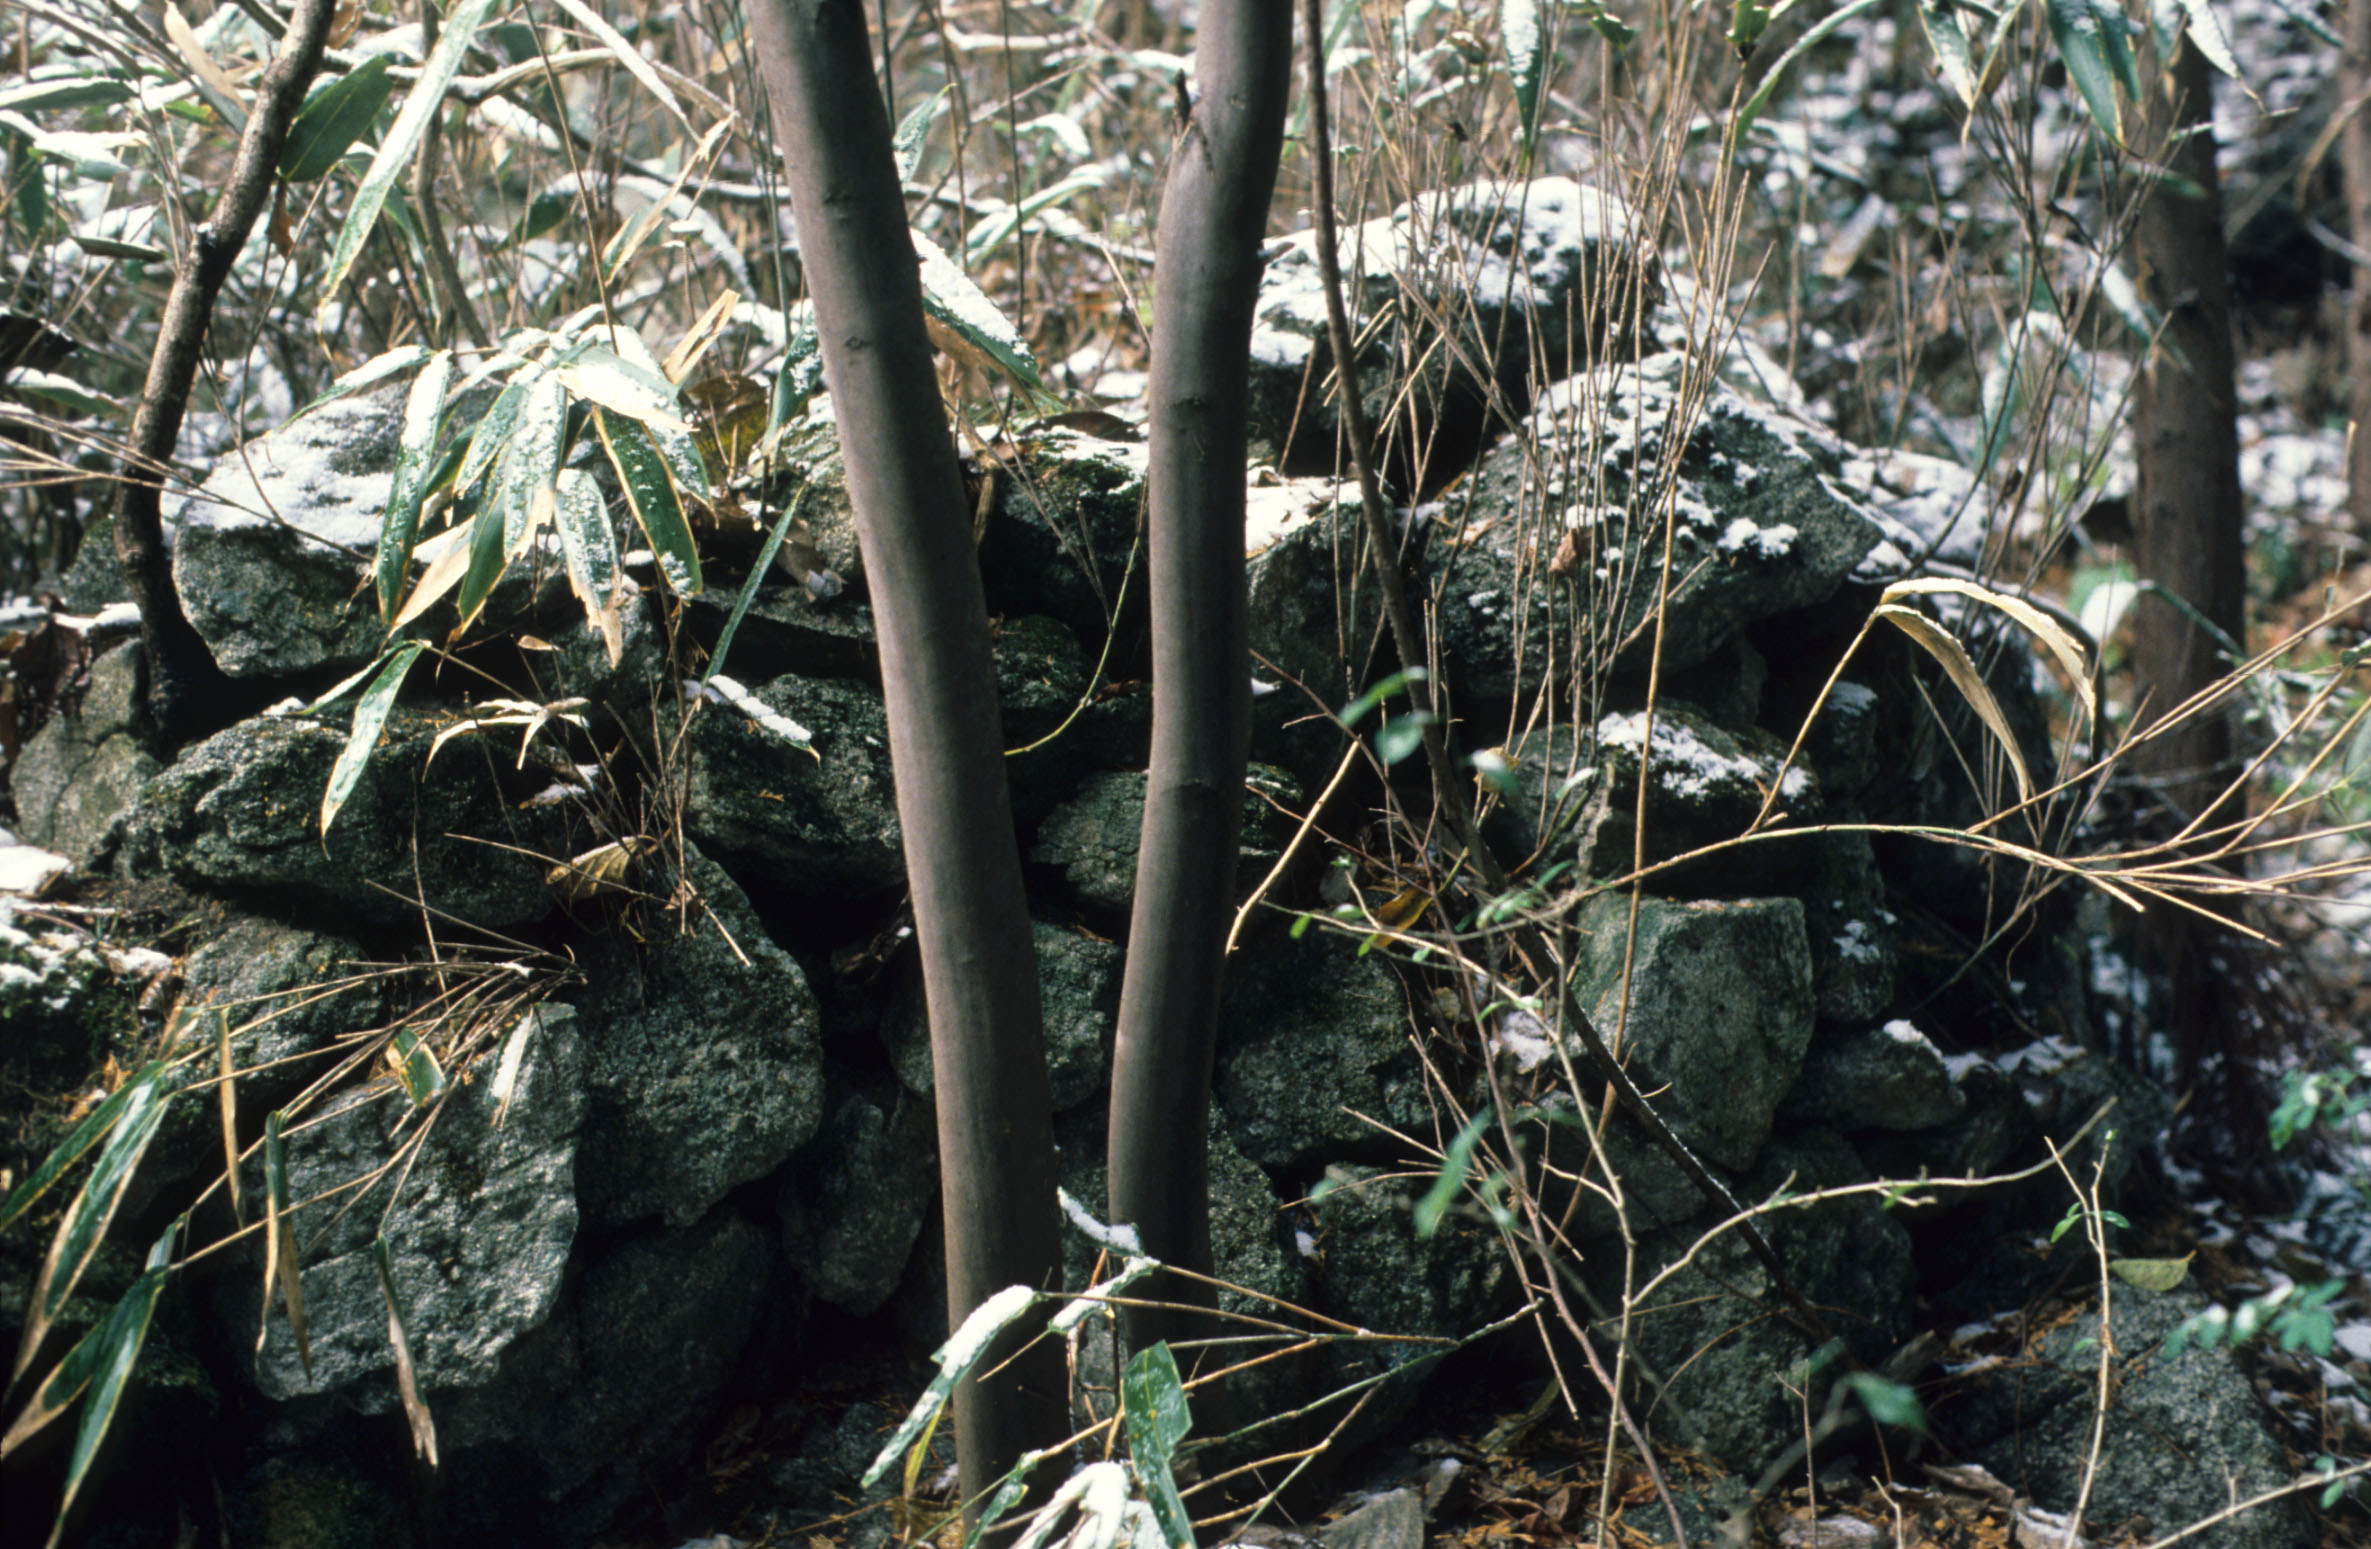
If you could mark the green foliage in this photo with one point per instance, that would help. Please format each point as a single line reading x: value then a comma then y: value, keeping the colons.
x: 2296, y: 1316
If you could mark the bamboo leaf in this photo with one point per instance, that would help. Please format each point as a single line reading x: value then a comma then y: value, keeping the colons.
x: 118, y: 1350
x: 600, y: 375
x: 1446, y: 1186
x: 395, y: 152
x: 589, y: 548
x: 2072, y: 659
x: 650, y: 491
x: 370, y: 718
x: 482, y: 561
x: 529, y: 463
x: 1954, y: 56
x: 369, y: 374
x: 955, y: 1358
x: 1523, y: 32
x: 950, y: 299
x: 1100, y: 1492
x: 88, y: 1217
x: 443, y: 573
x: 1158, y: 1420
x: 1939, y: 643
x: 423, y: 423
x: 678, y: 447
x: 492, y: 436
x: 84, y: 1135
x: 2207, y: 34
x: 415, y: 1066
x: 333, y: 118
x: 913, y: 130
x: 279, y: 1246
x: 2082, y: 31
x: 406, y: 1381
x: 210, y: 80
x: 1810, y: 40
x: 627, y: 55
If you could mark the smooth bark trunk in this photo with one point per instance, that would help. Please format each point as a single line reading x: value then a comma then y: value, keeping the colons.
x: 187, y: 693
x: 945, y: 736
x: 1214, y: 214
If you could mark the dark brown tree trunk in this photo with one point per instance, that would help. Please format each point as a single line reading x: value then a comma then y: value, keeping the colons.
x: 187, y: 692
x: 946, y: 743
x: 2354, y: 155
x: 2188, y: 545
x: 1214, y: 214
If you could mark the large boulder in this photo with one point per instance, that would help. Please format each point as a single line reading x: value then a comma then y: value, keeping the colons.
x: 702, y: 1066
x: 270, y: 554
x: 81, y: 773
x: 1566, y: 569
x: 1711, y: 1001
x: 2186, y: 1434
x: 1487, y: 289
x: 1078, y: 986
x: 1315, y: 1052
x: 479, y: 1228
x: 240, y: 813
x: 822, y: 823
x: 1091, y: 838
x: 854, y: 1200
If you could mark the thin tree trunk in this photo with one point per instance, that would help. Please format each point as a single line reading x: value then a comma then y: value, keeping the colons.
x: 2188, y: 544
x: 186, y: 690
x: 946, y: 742
x: 2354, y: 155
x: 1214, y: 214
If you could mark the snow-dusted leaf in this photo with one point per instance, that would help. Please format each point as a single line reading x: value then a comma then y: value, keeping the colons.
x: 1953, y: 54
x: 415, y: 456
x: 627, y: 55
x: 370, y: 718
x: 951, y: 299
x: 650, y: 490
x: 913, y: 130
x: 2089, y: 37
x: 957, y: 1356
x: 2053, y: 635
x: 379, y: 368
x: 395, y: 152
x: 598, y: 374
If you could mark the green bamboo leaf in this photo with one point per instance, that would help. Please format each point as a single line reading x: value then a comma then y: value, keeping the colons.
x: 416, y: 1069
x: 370, y: 718
x: 530, y: 461
x: 587, y: 544
x: 423, y: 423
x: 69, y: 91
x: 87, y: 1218
x: 757, y: 572
x: 279, y: 1244
x: 1006, y: 1496
x: 1158, y: 1419
x: 2207, y: 34
x: 650, y: 491
x: 913, y: 130
x: 81, y: 1138
x: 1803, y: 45
x: 1451, y: 1180
x: 333, y: 118
x: 1954, y: 56
x: 1523, y: 32
x: 492, y: 436
x: 395, y: 152
x: 598, y: 374
x: 119, y: 1341
x: 2082, y: 30
x: 669, y: 432
x: 951, y: 299
x: 369, y: 374
x: 485, y: 559
x: 1888, y: 1403
x: 957, y: 1356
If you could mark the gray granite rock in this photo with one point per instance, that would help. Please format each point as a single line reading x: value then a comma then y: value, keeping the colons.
x: 81, y: 773
x: 1719, y: 1011
x: 821, y: 823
